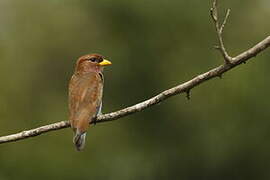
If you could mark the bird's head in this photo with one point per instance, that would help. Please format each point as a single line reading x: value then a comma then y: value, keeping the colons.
x: 91, y: 63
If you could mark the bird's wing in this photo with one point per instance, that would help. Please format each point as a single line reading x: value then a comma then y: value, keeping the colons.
x: 85, y: 94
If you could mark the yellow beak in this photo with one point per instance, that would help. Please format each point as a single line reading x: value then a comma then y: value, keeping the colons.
x: 105, y: 63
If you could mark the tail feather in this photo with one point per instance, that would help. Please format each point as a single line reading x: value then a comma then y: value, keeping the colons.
x: 79, y: 140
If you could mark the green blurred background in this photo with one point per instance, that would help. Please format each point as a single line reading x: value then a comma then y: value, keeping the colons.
x: 221, y: 133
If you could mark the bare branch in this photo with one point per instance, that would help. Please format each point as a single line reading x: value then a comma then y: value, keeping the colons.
x: 219, y: 30
x: 182, y: 88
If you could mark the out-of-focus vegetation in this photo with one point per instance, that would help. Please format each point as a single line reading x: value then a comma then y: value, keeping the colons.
x: 223, y: 132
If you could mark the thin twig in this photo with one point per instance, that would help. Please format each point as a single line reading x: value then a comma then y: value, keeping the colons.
x: 225, y: 21
x: 219, y: 30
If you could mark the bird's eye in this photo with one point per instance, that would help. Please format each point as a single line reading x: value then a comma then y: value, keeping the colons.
x: 93, y: 59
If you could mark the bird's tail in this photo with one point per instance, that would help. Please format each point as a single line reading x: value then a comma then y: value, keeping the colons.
x: 79, y: 140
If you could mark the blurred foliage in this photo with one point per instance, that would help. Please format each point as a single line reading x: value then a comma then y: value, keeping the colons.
x: 221, y: 133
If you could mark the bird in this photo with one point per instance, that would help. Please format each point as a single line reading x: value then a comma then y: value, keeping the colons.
x: 85, y: 95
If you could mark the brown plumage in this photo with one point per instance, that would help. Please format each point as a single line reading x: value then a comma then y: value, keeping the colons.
x: 85, y: 94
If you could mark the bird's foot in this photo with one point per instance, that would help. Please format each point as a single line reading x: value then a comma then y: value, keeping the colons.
x: 94, y: 120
